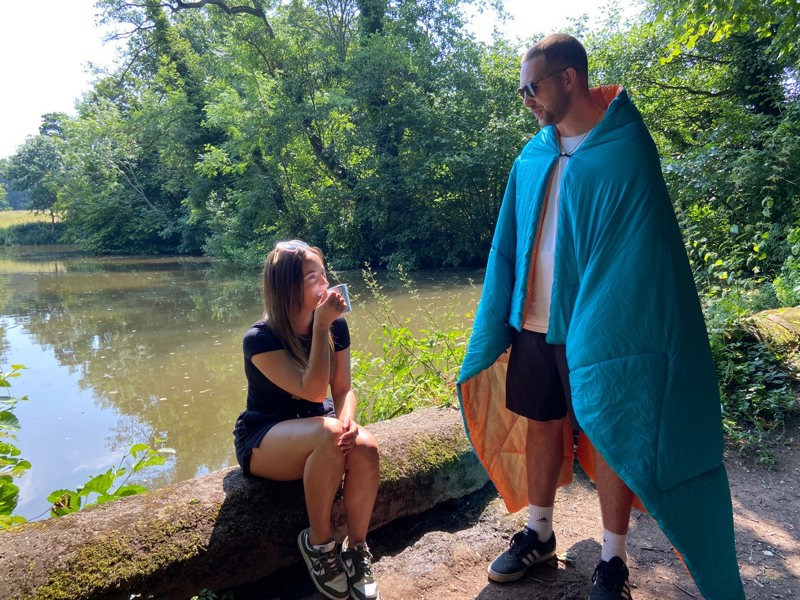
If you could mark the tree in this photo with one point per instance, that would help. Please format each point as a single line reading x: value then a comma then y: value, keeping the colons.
x: 4, y: 205
x: 38, y: 167
x: 132, y: 183
x: 726, y: 124
x: 776, y: 21
x: 335, y: 145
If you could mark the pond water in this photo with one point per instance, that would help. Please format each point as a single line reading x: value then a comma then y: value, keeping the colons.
x: 136, y: 349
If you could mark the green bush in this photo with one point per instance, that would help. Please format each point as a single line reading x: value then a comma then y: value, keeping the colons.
x: 414, y: 369
x: 758, y: 396
x: 12, y: 465
x: 37, y: 233
x: 787, y: 283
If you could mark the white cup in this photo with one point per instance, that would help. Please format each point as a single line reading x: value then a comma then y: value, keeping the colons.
x: 341, y: 289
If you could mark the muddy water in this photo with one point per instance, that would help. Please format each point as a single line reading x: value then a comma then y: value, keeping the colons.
x: 125, y: 350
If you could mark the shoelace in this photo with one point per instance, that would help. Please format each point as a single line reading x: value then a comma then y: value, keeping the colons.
x: 330, y: 562
x: 609, y: 578
x: 519, y: 543
x: 362, y: 560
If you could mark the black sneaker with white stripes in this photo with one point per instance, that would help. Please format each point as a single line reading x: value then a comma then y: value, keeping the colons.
x: 611, y: 581
x: 525, y: 550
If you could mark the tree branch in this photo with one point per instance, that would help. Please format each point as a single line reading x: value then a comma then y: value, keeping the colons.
x: 687, y: 89
x: 224, y: 7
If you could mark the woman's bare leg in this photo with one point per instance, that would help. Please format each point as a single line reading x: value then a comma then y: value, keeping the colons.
x: 305, y: 449
x: 362, y: 475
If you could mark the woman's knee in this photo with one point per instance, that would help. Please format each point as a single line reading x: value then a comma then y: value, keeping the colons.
x: 330, y: 432
x: 366, y: 447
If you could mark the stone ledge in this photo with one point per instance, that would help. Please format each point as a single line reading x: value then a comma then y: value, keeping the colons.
x: 221, y: 530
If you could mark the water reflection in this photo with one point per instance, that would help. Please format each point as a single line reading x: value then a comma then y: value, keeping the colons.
x: 125, y: 350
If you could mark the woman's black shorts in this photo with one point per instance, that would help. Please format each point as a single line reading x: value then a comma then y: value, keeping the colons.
x: 252, y: 426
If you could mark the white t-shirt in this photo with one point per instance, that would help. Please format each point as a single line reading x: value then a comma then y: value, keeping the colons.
x: 537, y: 311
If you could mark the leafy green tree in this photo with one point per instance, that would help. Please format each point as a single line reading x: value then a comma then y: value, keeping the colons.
x: 4, y: 205
x: 16, y: 199
x: 339, y: 145
x: 724, y: 120
x: 776, y: 21
x: 132, y: 183
x: 38, y: 165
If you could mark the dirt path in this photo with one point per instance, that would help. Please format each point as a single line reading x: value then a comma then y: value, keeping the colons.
x: 443, y: 554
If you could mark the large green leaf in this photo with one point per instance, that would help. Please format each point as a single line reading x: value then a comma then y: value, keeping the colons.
x: 9, y: 495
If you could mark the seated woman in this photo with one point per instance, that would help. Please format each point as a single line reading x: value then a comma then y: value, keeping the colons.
x: 292, y: 429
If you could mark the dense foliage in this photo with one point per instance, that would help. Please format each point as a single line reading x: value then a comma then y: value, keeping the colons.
x: 418, y: 355
x: 380, y: 131
x: 33, y: 233
x: 384, y: 131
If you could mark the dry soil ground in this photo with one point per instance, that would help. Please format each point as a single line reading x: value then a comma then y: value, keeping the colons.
x: 442, y: 554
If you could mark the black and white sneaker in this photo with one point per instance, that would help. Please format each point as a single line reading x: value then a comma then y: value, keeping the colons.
x: 611, y: 581
x: 325, y: 567
x: 358, y: 566
x: 525, y: 550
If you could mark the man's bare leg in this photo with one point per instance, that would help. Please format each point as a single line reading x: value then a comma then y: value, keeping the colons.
x: 545, y: 455
x: 544, y: 450
x: 616, y: 498
x: 611, y: 575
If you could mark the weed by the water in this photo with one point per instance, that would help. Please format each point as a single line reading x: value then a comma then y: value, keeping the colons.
x: 416, y: 366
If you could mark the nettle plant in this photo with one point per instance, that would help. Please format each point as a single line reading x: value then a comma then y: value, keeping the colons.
x: 414, y: 366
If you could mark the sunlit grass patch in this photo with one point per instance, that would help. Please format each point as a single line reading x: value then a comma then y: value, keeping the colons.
x: 17, y: 217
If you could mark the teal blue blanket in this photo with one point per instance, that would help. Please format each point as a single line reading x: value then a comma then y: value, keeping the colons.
x: 624, y: 302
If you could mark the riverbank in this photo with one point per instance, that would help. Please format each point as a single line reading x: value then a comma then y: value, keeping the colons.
x: 443, y: 553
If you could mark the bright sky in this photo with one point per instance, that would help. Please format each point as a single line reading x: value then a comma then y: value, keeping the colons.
x: 45, y: 47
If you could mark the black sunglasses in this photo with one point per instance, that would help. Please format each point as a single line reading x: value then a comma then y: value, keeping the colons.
x: 530, y: 87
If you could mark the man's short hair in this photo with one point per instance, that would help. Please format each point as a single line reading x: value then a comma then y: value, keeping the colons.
x: 561, y: 51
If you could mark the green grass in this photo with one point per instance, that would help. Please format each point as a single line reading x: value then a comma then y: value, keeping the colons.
x: 17, y: 217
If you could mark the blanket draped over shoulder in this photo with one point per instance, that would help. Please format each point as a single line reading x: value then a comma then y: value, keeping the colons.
x: 644, y: 388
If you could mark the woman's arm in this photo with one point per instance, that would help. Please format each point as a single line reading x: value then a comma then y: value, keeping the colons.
x: 344, y: 399
x: 310, y: 383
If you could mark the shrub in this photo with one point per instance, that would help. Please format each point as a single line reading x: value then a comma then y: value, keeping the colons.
x: 37, y: 233
x: 414, y: 369
x: 758, y: 395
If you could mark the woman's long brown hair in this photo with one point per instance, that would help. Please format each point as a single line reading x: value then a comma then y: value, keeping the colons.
x: 283, y: 294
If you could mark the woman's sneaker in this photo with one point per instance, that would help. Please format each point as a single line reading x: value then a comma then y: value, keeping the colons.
x: 358, y: 566
x: 325, y: 568
x: 525, y: 550
x: 611, y: 581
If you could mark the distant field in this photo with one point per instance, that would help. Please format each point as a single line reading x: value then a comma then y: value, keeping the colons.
x: 15, y: 217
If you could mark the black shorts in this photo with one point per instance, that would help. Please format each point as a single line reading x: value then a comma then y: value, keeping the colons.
x: 537, y: 381
x: 252, y: 426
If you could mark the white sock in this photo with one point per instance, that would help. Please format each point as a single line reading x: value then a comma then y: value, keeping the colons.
x: 540, y: 519
x: 325, y: 547
x: 614, y: 545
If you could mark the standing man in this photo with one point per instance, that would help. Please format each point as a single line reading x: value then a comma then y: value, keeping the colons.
x: 590, y: 320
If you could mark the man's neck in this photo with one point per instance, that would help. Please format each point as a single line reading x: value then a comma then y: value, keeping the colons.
x: 585, y: 114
